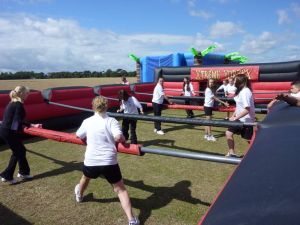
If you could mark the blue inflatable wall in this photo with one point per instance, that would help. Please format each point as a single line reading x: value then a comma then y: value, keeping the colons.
x: 148, y: 63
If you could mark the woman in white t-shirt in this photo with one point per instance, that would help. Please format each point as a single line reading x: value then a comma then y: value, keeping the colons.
x: 129, y: 104
x: 101, y: 133
x: 157, y: 102
x: 244, y: 112
x: 209, y: 101
x: 188, y: 90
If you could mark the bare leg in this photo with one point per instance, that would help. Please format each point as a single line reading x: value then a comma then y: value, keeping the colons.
x: 122, y: 193
x: 84, y: 182
x: 230, y: 142
x: 208, y: 128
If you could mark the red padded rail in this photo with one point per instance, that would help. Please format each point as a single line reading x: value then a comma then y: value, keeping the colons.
x: 112, y: 92
x: 144, y: 88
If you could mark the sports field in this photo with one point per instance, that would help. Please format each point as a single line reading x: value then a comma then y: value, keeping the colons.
x: 163, y: 190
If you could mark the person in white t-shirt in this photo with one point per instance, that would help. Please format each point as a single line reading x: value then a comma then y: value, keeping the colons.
x: 125, y: 81
x: 293, y: 98
x: 188, y: 90
x: 157, y: 102
x: 129, y: 104
x: 231, y: 88
x: 209, y: 101
x: 244, y: 112
x: 223, y: 87
x: 101, y: 133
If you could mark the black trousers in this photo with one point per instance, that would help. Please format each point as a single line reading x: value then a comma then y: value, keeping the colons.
x: 157, y: 108
x: 125, y: 127
x: 13, y: 140
x: 189, y: 112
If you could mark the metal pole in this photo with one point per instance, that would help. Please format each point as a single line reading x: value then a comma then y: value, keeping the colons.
x: 201, y: 122
x: 192, y: 155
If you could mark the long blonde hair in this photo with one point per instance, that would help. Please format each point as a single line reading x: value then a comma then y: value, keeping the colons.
x: 18, y: 94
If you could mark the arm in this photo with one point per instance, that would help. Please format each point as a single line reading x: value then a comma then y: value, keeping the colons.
x: 271, y: 103
x: 219, y: 100
x: 138, y: 104
x: 242, y: 114
x: 289, y: 99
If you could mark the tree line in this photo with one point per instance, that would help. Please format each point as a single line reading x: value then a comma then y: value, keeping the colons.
x: 41, y: 75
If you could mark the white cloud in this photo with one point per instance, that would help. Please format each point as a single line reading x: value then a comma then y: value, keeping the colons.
x: 48, y: 45
x: 283, y: 16
x: 223, y: 29
x: 193, y: 11
x: 296, y: 9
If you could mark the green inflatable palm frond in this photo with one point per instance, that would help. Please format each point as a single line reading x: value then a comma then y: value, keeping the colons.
x: 241, y: 59
x: 194, y: 52
x: 229, y: 55
x: 208, y: 50
x: 134, y: 58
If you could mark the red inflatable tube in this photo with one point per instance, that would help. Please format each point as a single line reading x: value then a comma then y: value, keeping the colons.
x: 132, y: 149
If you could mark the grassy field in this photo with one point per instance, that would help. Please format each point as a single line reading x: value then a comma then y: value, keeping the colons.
x: 163, y: 190
x: 40, y: 84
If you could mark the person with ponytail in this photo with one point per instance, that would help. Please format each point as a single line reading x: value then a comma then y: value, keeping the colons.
x: 10, y: 128
x: 188, y: 90
x: 244, y: 112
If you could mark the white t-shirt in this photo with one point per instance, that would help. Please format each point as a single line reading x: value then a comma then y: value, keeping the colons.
x: 296, y: 95
x: 224, y: 87
x: 158, y: 94
x: 231, y: 89
x: 131, y: 105
x: 99, y: 132
x: 188, y: 93
x: 208, y: 100
x: 245, y: 99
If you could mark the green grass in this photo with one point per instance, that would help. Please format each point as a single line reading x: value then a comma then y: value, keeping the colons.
x: 163, y: 190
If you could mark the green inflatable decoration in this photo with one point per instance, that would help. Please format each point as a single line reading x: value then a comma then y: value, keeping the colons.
x: 229, y: 55
x: 208, y: 50
x: 241, y: 59
x: 194, y: 52
x: 134, y: 58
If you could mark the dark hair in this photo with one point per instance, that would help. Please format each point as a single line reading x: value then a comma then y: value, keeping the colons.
x: 123, y: 78
x: 241, y: 81
x: 123, y: 95
x: 214, y: 87
x: 188, y: 88
x: 296, y: 83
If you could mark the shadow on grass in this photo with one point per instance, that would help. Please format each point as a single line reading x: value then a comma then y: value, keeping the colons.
x: 160, y: 197
x: 8, y: 217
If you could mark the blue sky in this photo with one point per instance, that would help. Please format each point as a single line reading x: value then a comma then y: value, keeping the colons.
x: 95, y: 35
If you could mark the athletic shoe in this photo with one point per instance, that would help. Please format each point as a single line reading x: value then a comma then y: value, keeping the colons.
x: 160, y: 132
x: 155, y: 130
x: 206, y: 137
x: 135, y: 221
x: 77, y: 193
x: 211, y: 138
x: 13, y: 181
x: 25, y: 177
x: 231, y: 155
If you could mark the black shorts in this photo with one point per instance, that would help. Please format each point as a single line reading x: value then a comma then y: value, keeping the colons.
x: 112, y: 173
x: 208, y: 111
x: 245, y: 132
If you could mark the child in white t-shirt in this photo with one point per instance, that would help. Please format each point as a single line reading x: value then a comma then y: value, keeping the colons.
x: 292, y: 98
x: 209, y: 101
x: 101, y: 133
x: 188, y: 90
x: 129, y: 104
x: 244, y: 112
x: 223, y: 87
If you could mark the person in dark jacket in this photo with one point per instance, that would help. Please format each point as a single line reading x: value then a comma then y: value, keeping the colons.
x: 12, y: 124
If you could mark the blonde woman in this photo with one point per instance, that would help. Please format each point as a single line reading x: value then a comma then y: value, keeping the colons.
x: 101, y: 133
x: 12, y: 124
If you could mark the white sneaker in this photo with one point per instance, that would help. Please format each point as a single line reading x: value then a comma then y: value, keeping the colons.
x: 135, y: 221
x: 160, y: 132
x: 206, y: 137
x: 154, y: 130
x: 211, y: 138
x: 13, y: 181
x: 77, y: 193
x: 24, y: 177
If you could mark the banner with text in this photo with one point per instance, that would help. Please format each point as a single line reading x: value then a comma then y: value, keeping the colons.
x: 221, y: 73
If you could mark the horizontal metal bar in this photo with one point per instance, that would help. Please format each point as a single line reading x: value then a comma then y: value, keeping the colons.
x: 192, y: 155
x: 201, y: 122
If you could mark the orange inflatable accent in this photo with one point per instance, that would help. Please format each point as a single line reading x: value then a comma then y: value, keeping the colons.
x: 71, y: 138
